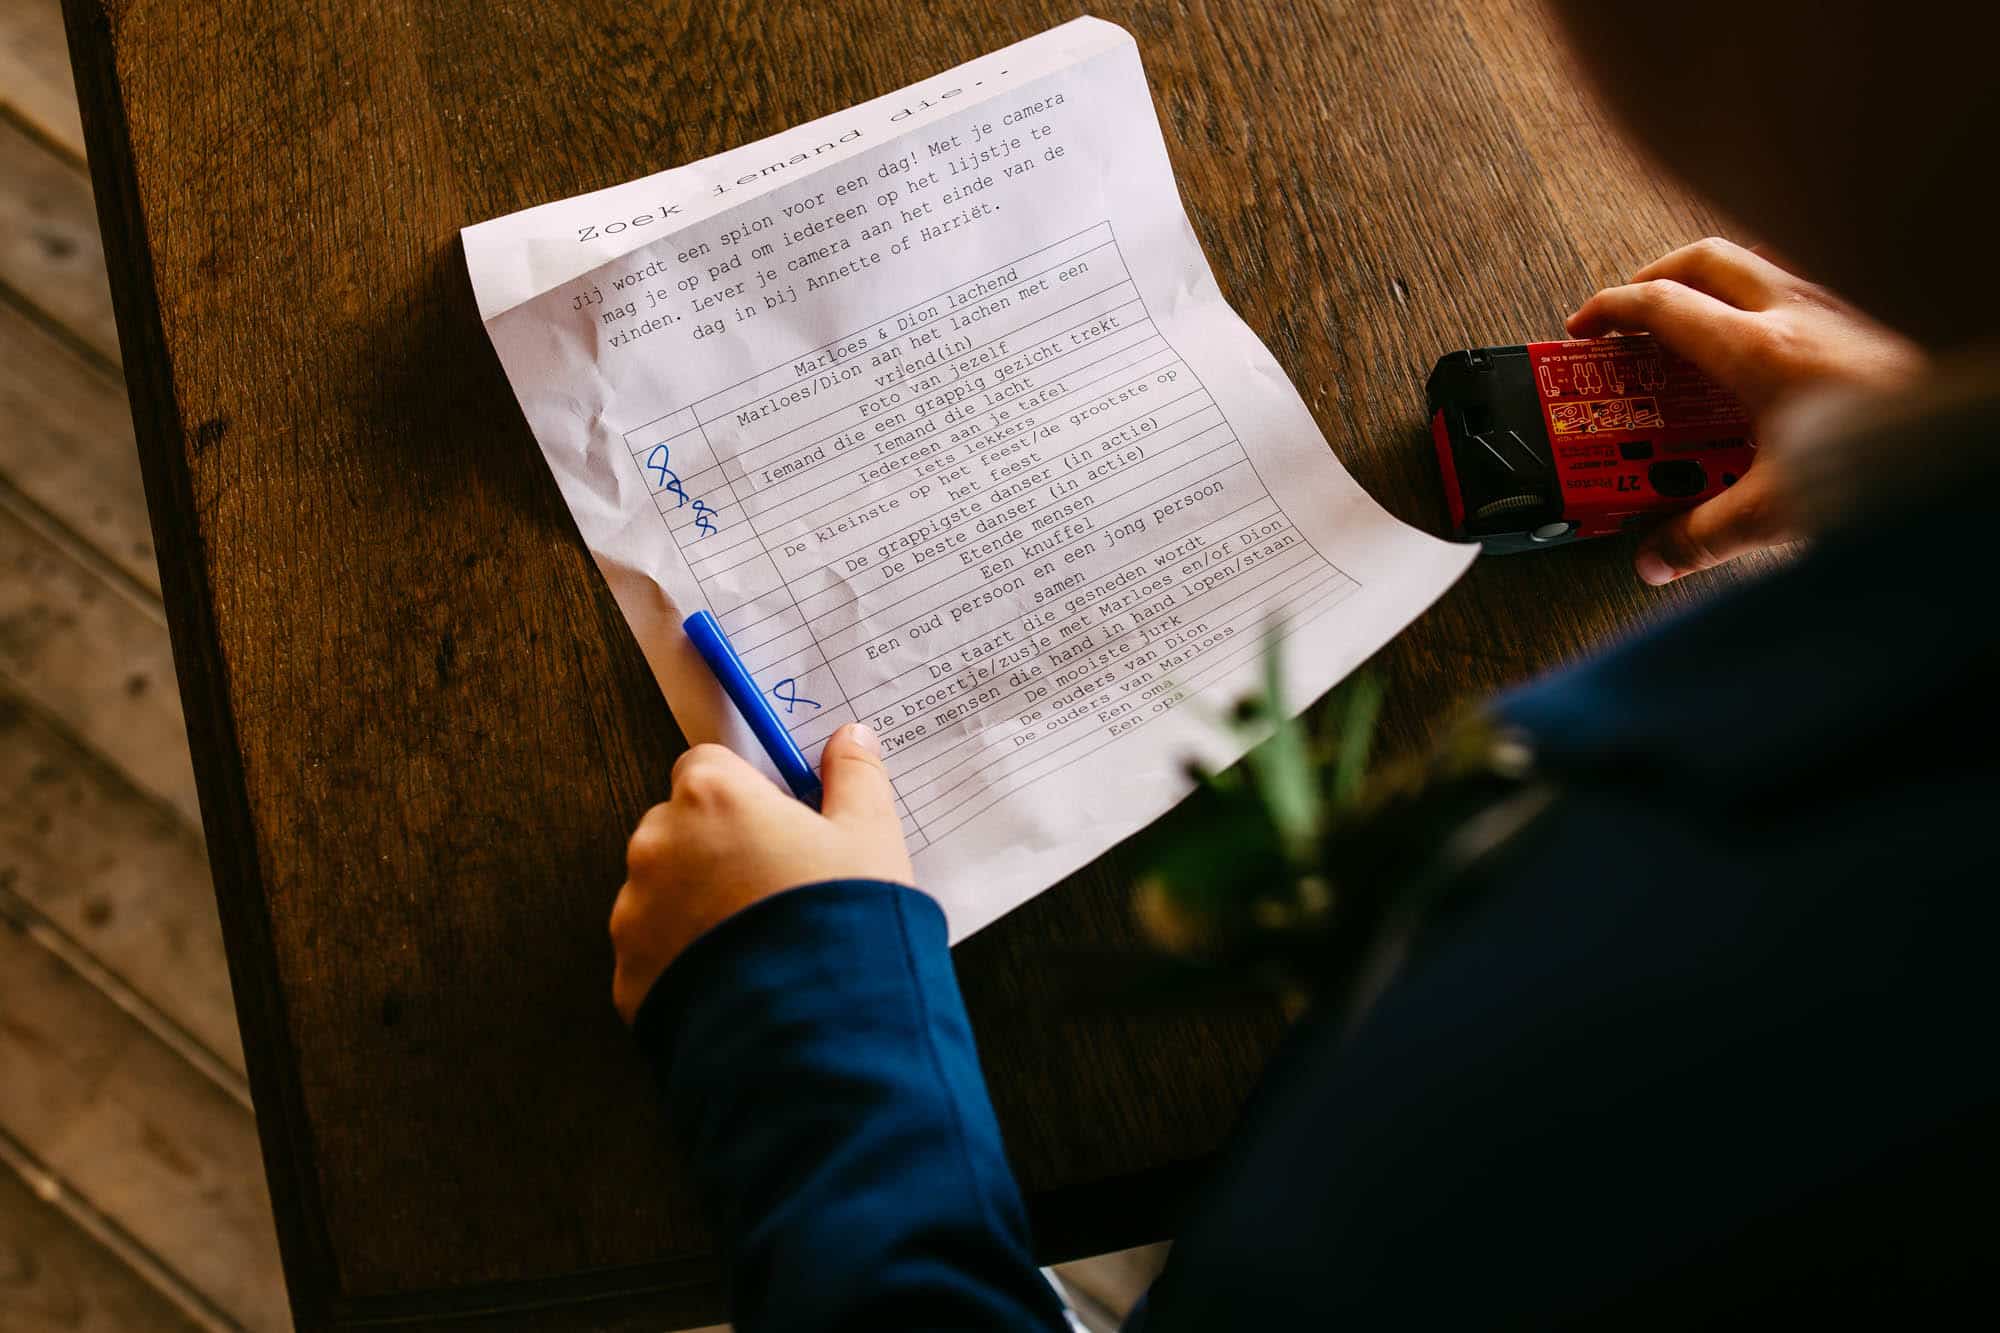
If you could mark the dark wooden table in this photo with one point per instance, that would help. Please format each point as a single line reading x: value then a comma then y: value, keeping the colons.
x: 420, y: 727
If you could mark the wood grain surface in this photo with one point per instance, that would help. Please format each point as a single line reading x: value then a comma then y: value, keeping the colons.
x: 421, y: 729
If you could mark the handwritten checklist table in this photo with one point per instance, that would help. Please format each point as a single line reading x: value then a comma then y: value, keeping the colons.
x: 1029, y: 397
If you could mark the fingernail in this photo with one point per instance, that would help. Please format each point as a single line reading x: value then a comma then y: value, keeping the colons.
x: 1652, y: 569
x: 863, y: 735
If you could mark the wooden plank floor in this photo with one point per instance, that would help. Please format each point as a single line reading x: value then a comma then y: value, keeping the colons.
x: 131, y: 1191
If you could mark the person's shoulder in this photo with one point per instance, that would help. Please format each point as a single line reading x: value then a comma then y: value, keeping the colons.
x: 1864, y: 657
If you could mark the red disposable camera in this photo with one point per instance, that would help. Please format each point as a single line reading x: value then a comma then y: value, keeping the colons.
x: 1555, y: 442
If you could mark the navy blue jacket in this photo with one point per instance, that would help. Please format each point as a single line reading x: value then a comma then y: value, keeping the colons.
x: 1717, y: 1041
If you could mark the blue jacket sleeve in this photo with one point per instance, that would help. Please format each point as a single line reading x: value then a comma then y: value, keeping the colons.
x: 821, y: 1070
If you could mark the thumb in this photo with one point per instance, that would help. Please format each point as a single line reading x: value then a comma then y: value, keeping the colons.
x: 856, y: 785
x: 1744, y: 518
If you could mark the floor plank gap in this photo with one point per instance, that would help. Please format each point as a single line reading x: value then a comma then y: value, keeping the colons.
x: 35, y: 82
x: 19, y: 119
x: 37, y: 927
x: 81, y: 549
x: 57, y: 329
x: 88, y: 1218
x: 87, y: 650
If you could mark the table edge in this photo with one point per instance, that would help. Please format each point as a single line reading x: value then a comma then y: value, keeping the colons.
x: 1069, y: 1221
x: 228, y: 830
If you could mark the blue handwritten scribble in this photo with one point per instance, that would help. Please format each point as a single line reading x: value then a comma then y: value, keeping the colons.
x: 787, y: 692
x: 666, y: 480
x: 664, y: 476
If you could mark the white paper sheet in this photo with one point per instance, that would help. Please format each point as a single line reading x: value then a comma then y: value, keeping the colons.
x: 935, y: 404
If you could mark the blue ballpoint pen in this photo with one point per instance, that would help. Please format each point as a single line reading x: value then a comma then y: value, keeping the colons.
x: 734, y: 677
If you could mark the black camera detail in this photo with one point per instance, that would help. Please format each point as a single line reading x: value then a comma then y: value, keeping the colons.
x: 1678, y: 477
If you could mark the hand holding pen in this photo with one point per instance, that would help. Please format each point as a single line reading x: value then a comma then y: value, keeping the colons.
x: 728, y: 837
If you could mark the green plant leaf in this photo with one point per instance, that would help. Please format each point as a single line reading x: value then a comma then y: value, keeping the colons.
x: 1282, y: 765
x: 1361, y: 706
x: 1218, y: 852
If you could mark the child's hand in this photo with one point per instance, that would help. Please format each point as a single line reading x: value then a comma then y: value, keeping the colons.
x: 1764, y: 334
x: 728, y: 837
